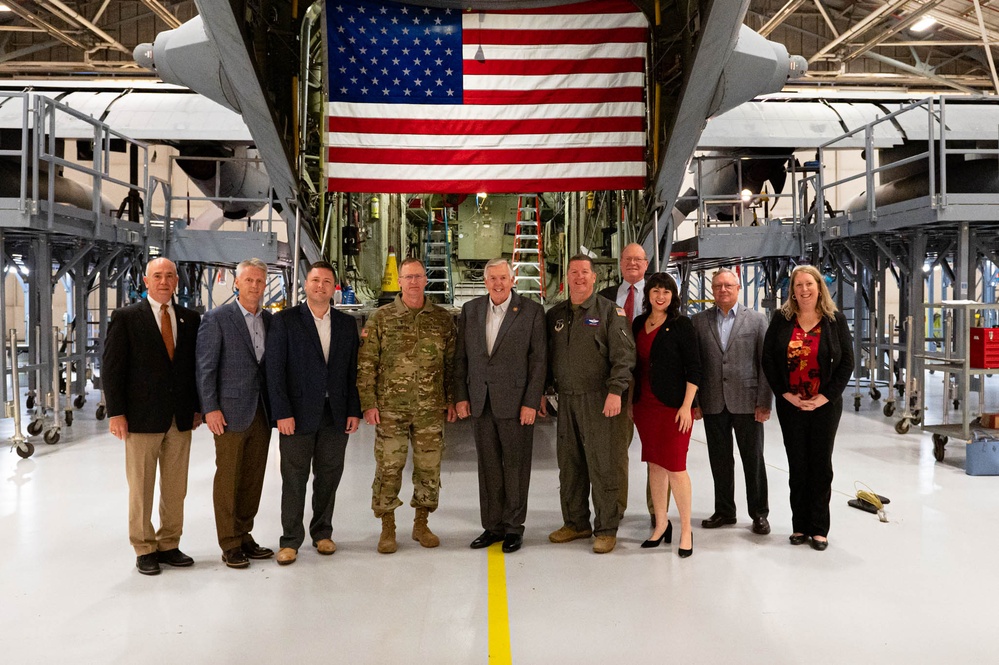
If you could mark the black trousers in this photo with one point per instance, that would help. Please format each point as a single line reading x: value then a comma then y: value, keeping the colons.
x: 808, y: 439
x: 749, y: 435
x: 321, y: 452
x: 504, y: 448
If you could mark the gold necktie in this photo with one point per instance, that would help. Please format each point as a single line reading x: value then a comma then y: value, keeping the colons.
x: 166, y: 327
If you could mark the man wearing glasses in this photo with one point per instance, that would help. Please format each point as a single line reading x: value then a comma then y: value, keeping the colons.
x: 734, y: 397
x: 628, y: 295
x: 404, y: 376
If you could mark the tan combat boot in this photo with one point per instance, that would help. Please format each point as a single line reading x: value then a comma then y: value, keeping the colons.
x: 422, y: 532
x: 386, y: 542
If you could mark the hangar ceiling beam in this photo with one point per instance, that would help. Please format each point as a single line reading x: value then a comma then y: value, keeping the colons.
x: 782, y: 14
x: 985, y: 43
x: 40, y: 23
x: 861, y: 27
x: 156, y: 7
x: 890, y: 32
x: 925, y: 72
x: 82, y: 20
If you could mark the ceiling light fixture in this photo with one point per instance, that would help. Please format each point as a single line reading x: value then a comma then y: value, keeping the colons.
x: 924, y: 24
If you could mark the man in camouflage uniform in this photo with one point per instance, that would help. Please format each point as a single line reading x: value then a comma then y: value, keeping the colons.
x: 591, y: 354
x: 404, y: 378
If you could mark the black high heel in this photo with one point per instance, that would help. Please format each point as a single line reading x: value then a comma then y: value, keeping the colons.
x: 667, y: 536
x: 683, y: 554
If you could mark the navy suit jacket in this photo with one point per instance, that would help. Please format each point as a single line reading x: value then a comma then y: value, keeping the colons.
x: 514, y: 375
x: 229, y: 377
x: 298, y: 379
x: 139, y: 380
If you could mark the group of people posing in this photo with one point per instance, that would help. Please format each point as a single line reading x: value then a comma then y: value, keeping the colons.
x: 614, y: 361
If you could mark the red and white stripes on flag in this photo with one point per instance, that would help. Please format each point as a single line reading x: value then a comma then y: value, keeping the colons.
x: 433, y: 100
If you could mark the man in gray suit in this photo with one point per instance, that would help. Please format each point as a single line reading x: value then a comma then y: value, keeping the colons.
x: 233, y: 390
x: 500, y: 371
x: 734, y: 396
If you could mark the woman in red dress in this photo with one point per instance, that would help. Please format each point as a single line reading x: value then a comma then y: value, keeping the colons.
x: 667, y: 373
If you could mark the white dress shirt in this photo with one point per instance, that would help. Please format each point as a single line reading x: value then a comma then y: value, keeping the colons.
x: 622, y: 296
x: 323, y: 326
x: 494, y: 319
x: 157, y: 312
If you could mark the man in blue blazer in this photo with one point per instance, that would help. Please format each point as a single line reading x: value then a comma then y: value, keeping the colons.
x: 233, y: 391
x: 312, y: 383
x: 148, y: 375
x: 500, y: 366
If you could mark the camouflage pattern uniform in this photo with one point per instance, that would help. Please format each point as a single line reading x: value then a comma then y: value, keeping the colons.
x: 405, y: 371
x: 591, y: 354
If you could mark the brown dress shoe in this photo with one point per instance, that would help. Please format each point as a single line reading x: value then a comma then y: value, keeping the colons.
x: 286, y: 555
x: 604, y: 544
x: 326, y: 546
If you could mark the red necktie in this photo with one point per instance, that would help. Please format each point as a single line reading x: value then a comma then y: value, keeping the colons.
x: 166, y: 327
x: 629, y: 304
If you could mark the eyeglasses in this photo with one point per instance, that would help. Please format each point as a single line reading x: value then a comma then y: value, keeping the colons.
x: 633, y: 259
x: 723, y: 287
x: 410, y: 278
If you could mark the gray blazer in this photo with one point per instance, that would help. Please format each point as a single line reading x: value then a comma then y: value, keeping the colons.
x: 229, y: 376
x: 733, y: 378
x: 514, y: 375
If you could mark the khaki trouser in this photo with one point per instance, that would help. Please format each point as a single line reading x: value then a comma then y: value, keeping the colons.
x: 171, y: 451
x: 240, y: 462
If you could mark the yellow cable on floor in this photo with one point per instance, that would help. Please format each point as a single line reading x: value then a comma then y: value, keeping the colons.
x: 870, y: 497
x: 499, y: 613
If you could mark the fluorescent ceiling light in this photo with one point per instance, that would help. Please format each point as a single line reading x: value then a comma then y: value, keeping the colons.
x: 924, y: 24
x: 4, y: 8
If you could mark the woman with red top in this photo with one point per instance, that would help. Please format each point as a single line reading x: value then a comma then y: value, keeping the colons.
x: 667, y: 373
x: 808, y: 360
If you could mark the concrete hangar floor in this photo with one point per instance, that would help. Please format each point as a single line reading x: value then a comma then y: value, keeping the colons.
x: 918, y: 589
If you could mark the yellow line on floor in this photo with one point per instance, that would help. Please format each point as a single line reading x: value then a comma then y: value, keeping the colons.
x: 499, y: 613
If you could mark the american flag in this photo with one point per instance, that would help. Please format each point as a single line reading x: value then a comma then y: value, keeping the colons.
x: 429, y: 99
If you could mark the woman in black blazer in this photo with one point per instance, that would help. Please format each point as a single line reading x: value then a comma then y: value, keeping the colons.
x: 667, y: 373
x: 808, y: 360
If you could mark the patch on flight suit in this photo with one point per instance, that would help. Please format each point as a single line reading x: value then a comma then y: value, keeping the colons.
x: 591, y: 321
x: 621, y: 312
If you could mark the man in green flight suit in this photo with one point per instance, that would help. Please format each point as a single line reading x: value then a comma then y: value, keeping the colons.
x: 404, y: 377
x: 591, y: 355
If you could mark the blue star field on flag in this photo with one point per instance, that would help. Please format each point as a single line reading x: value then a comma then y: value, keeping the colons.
x: 394, y: 53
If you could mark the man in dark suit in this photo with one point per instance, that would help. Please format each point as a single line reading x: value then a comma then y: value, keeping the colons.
x: 152, y: 399
x: 312, y: 383
x: 629, y: 295
x: 734, y: 397
x: 499, y: 372
x: 233, y: 391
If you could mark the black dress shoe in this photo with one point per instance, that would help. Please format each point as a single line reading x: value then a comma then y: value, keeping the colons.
x: 175, y: 557
x: 798, y: 539
x: 235, y: 558
x: 761, y: 526
x: 682, y: 553
x: 486, y: 539
x: 254, y: 551
x: 512, y: 542
x: 148, y: 564
x: 716, y: 521
x: 667, y: 537
x: 819, y: 545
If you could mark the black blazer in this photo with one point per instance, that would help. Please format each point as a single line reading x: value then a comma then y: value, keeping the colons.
x: 835, y: 355
x: 674, y: 360
x: 139, y: 380
x: 298, y: 379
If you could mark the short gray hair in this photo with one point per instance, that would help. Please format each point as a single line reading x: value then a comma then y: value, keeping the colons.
x: 251, y: 263
x: 724, y: 271
x: 498, y: 261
